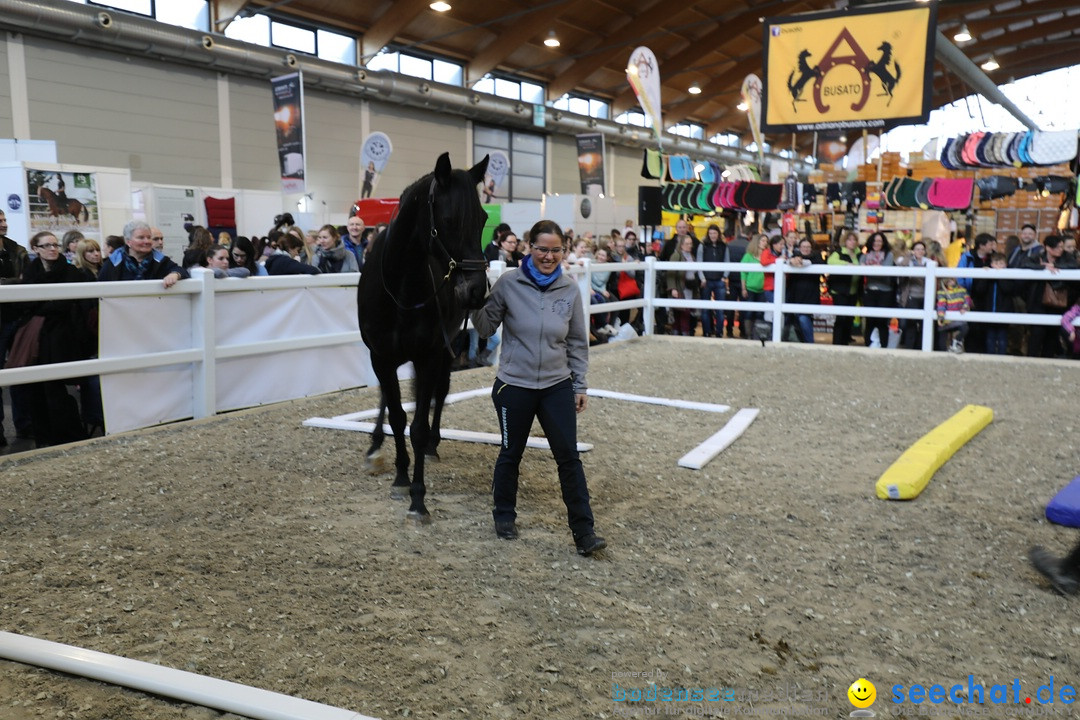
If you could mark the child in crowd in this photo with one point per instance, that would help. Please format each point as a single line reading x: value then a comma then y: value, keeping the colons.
x: 993, y: 295
x: 951, y: 297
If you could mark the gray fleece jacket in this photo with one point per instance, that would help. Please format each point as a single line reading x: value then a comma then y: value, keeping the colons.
x: 545, y: 339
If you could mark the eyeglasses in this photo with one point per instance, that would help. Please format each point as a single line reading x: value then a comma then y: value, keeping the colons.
x: 48, y: 246
x: 548, y: 251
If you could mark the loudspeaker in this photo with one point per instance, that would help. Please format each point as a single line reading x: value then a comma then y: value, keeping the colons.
x: 649, y: 204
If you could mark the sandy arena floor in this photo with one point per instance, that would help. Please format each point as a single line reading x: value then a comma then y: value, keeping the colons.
x: 252, y: 549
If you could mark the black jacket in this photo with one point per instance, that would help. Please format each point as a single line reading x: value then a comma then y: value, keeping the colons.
x: 65, y: 334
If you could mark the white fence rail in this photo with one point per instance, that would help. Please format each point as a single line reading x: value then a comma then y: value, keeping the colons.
x: 777, y: 307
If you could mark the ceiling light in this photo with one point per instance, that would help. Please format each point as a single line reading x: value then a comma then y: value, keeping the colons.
x: 963, y: 35
x: 694, y: 89
x: 439, y: 6
x: 742, y: 106
x: 551, y: 40
x: 990, y: 64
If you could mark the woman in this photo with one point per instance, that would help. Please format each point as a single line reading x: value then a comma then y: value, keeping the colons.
x: 541, y: 375
x: 773, y: 252
x: 332, y: 256
x: 682, y: 285
x: 199, y: 242
x: 713, y: 249
x: 879, y: 289
x: 599, y: 281
x: 508, y: 250
x: 69, y: 243
x: 288, y: 258
x: 242, y: 255
x: 845, y: 288
x: 88, y: 259
x: 138, y: 260
x: 753, y: 283
x: 913, y: 293
x: 217, y: 260
x: 62, y: 335
x: 805, y: 287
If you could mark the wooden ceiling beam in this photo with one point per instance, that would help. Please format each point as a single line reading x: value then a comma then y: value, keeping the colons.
x: 223, y: 13
x: 510, y: 38
x: 730, y: 80
x: 388, y: 25
x: 641, y: 25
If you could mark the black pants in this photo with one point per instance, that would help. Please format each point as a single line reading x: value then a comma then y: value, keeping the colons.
x: 554, y: 408
x: 54, y: 414
x: 880, y: 299
x: 842, y: 324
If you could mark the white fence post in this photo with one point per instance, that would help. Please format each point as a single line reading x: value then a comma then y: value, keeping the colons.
x: 585, y: 288
x: 778, y: 299
x: 649, y: 292
x: 203, y: 337
x: 929, y: 326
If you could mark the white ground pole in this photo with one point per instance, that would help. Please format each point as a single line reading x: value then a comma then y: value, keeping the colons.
x: 706, y: 451
x: 695, y: 459
x: 196, y: 689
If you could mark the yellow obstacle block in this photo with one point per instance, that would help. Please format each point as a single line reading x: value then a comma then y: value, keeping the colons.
x: 912, y: 471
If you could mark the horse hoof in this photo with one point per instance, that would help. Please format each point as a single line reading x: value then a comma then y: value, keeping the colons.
x: 375, y: 463
x: 399, y: 492
x: 432, y: 456
x: 419, y: 518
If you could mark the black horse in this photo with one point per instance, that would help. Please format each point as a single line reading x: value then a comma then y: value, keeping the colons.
x: 421, y: 275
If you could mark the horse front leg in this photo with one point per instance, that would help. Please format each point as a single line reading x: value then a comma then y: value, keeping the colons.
x: 374, y: 457
x: 391, y: 395
x: 421, y: 432
x: 442, y: 387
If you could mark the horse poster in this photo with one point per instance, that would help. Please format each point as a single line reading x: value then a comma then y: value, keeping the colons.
x: 856, y: 68
x: 62, y: 201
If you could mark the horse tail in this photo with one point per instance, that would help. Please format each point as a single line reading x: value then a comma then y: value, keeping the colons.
x: 791, y: 85
x: 897, y: 72
x: 85, y: 213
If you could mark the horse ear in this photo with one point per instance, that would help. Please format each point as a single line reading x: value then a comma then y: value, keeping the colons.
x: 442, y: 170
x: 476, y: 172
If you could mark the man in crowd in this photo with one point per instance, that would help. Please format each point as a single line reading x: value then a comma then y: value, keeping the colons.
x: 158, y: 238
x: 354, y: 240
x: 1018, y: 255
x: 13, y: 259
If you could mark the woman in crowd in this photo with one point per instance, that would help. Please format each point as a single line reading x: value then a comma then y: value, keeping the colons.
x: 682, y: 285
x: 714, y: 285
x: 1049, y: 297
x: 913, y: 293
x: 845, y: 288
x: 495, y: 248
x: 62, y: 331
x: 242, y: 254
x: 217, y: 260
x: 88, y: 259
x: 772, y: 253
x: 69, y: 243
x: 508, y: 250
x: 199, y: 241
x: 332, y: 257
x: 288, y: 258
x: 804, y: 287
x: 541, y: 376
x: 753, y: 283
x: 880, y: 290
x: 138, y: 260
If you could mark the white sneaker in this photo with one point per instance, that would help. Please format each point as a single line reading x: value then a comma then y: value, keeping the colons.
x: 610, y: 330
x: 956, y: 347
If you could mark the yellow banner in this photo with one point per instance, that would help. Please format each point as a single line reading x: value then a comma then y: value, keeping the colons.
x: 860, y: 68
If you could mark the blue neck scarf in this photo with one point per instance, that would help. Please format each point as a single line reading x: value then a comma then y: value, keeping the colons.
x: 541, y: 280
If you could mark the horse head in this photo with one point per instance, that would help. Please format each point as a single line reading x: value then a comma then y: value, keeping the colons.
x: 458, y: 223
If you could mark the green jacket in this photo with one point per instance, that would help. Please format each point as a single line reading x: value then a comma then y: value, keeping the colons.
x: 754, y: 282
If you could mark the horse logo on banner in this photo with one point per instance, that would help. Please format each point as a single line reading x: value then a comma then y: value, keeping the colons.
x: 845, y: 50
